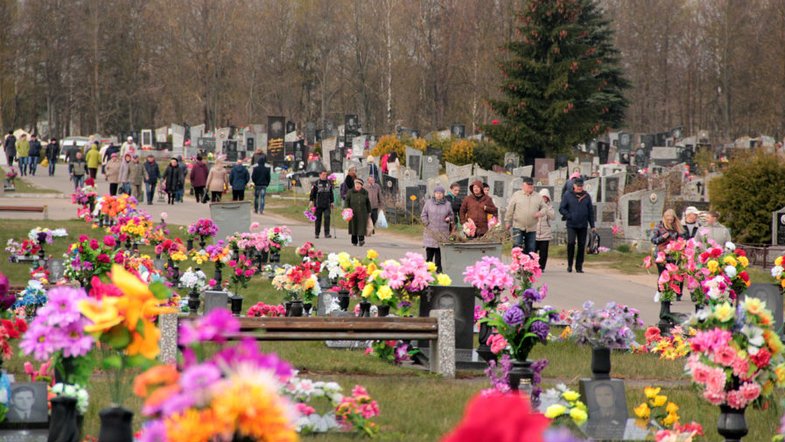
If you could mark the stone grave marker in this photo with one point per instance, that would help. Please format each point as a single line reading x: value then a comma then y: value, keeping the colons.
x: 430, y: 167
x: 433, y: 151
x: 606, y: 214
x: 665, y: 156
x: 556, y: 175
x: 458, y: 171
x: 778, y: 227
x: 640, y: 212
x: 414, y: 160
x: 612, y: 187
x: 161, y: 134
x: 178, y: 137
x: 464, y: 184
x: 511, y: 161
x: 414, y: 206
x: 56, y: 269
x: 610, y: 169
x: 231, y: 217
x: 586, y: 168
x: 605, y: 400
x: 437, y: 181
x: 523, y: 171
x: 336, y: 161
x: 389, y: 186
x: 543, y: 167
x: 592, y: 187
x: 214, y: 299
x: 196, y: 133
x: 694, y: 190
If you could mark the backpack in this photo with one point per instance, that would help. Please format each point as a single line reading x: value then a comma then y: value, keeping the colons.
x: 593, y: 246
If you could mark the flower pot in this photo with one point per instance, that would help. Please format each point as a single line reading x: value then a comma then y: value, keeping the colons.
x: 116, y: 425
x: 343, y: 300
x: 483, y: 350
x: 193, y: 302
x: 666, y: 320
x: 384, y: 310
x: 63, y: 426
x: 264, y: 256
x: 41, y: 256
x: 202, y: 242
x: 307, y: 307
x: 236, y: 305
x: 218, y: 276
x: 240, y: 438
x: 521, y: 375
x: 365, y: 309
x: 189, y: 243
x: 175, y: 273
x: 731, y: 424
x: 275, y: 257
x: 288, y: 306
x: 157, y: 256
x: 297, y: 309
x: 600, y: 363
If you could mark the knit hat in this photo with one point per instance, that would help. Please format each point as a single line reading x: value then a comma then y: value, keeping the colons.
x: 438, y: 189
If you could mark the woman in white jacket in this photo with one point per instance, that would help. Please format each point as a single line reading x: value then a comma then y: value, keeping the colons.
x: 544, y: 230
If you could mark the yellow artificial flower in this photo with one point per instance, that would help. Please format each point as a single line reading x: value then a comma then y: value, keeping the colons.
x: 367, y: 291
x: 431, y: 267
x: 651, y: 392
x: 730, y: 260
x: 578, y: 416
x: 767, y: 389
x: 254, y: 409
x: 754, y: 305
x: 642, y: 411
x: 659, y: 400
x: 384, y: 293
x: 713, y: 265
x: 555, y: 411
x: 103, y: 314
x: 724, y: 312
x: 780, y: 373
x: 670, y: 419
x: 773, y: 341
x: 778, y: 261
x: 309, y: 284
x: 191, y: 425
x: 376, y: 273
x: 146, y: 343
x: 671, y: 408
x: 744, y: 261
x: 372, y: 254
x: 570, y: 395
x: 443, y: 280
x: 566, y: 333
x: 372, y: 268
x: 580, y: 405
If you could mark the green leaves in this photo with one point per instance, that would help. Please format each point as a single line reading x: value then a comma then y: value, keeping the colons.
x: 159, y: 290
x: 118, y: 337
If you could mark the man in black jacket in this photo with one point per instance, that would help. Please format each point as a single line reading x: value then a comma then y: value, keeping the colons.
x: 34, y: 154
x: 322, y: 200
x: 261, y: 179
x: 52, y: 153
x: 151, y: 175
x: 10, y: 148
x: 576, y: 207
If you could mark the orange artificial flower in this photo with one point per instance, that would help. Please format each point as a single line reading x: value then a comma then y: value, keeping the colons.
x: 160, y: 375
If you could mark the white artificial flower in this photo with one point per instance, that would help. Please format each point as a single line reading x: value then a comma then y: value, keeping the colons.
x: 776, y: 271
x: 730, y: 246
x: 730, y: 271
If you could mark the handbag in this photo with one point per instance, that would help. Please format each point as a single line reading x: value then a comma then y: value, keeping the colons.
x: 369, y: 227
x: 593, y: 247
x: 205, y: 197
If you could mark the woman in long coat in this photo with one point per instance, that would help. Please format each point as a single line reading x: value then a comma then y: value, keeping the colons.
x: 172, y: 180
x: 437, y: 218
x: 357, y: 200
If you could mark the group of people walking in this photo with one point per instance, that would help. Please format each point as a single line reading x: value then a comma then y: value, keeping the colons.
x: 28, y: 154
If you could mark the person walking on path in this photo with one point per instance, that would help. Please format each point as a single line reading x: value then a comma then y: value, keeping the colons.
x: 523, y: 211
x: 93, y: 160
x: 437, y: 218
x: 136, y: 178
x: 239, y: 179
x: 77, y: 170
x: 124, y: 177
x: 576, y: 207
x: 375, y: 196
x: 216, y: 181
x: 183, y: 174
x: 108, y: 153
x: 322, y: 200
x: 261, y: 179
x: 357, y: 200
x: 477, y: 207
x: 373, y: 169
x: 544, y: 229
x: 151, y: 176
x: 22, y: 151
x: 129, y: 147
x: 52, y: 154
x: 714, y: 231
x: 172, y: 177
x: 455, y: 199
x: 10, y: 148
x: 112, y: 174
x: 34, y: 155
x: 667, y: 230
x: 691, y: 223
x: 348, y: 181
x: 199, y: 172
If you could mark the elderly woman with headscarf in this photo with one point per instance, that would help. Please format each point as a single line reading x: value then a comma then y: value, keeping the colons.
x: 437, y: 219
x: 477, y: 207
x: 357, y: 200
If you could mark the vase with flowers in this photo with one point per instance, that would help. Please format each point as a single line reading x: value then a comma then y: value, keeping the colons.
x: 203, y: 228
x: 493, y: 278
x: 195, y: 281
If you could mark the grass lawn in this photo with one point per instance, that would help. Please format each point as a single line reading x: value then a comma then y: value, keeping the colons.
x: 415, y: 405
x: 23, y: 186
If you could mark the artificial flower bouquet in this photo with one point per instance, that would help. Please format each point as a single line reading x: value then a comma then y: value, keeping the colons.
x: 725, y: 275
x: 136, y: 228
x: 41, y: 236
x: 278, y: 237
x: 563, y: 406
x: 336, y: 265
x: 681, y: 268
x: 299, y: 282
x: 11, y: 325
x: 89, y: 257
x: 30, y: 299
x: 116, y: 206
x: 737, y: 356
x: 203, y: 228
x: 262, y: 310
x: 356, y: 411
x: 392, y: 351
x: 309, y: 252
x: 193, y: 280
x: 660, y: 415
x: 73, y: 391
x: 26, y: 248
x: 242, y: 270
x: 612, y: 327
x: 669, y: 347
x: 173, y: 248
x: 405, y: 278
x: 84, y: 196
x: 493, y: 278
x: 233, y: 393
x: 347, y: 215
x: 309, y: 214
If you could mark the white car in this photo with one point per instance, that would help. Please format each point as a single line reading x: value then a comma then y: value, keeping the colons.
x: 68, y: 142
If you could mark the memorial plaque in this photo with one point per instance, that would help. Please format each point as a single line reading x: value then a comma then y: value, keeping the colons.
x: 28, y: 404
x: 511, y: 161
x: 290, y: 127
x: 413, y: 160
x: 634, y: 213
x: 458, y: 131
x: 414, y: 205
x: 464, y: 185
x: 389, y: 185
x: 781, y: 229
x: 461, y: 301
x: 206, y: 144
x: 543, y: 167
x: 56, y: 269
x: 498, y: 189
x: 26, y: 435
x: 230, y: 150
x: 605, y: 400
x: 603, y: 149
x: 610, y: 190
x: 430, y: 167
x: 214, y: 299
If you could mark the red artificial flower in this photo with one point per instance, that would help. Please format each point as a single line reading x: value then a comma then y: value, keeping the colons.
x: 761, y: 358
x: 98, y: 289
x: 499, y: 417
x: 741, y: 252
x: 109, y: 241
x: 119, y: 258
x: 103, y: 258
x: 716, y: 252
x: 94, y: 244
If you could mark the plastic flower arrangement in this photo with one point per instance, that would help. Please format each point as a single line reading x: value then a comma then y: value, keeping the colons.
x: 481, y: 419
x: 137, y: 228
x: 356, y: 411
x: 194, y: 280
x: 337, y: 265
x: 299, y: 282
x: 30, y: 299
x: 116, y: 206
x: 347, y: 214
x: 40, y: 274
x: 392, y: 351
x: 278, y: 237
x: 73, y: 391
x: 170, y: 247
x: 726, y: 269
x: 611, y: 327
x: 203, y: 228
x: 88, y: 258
x: 124, y: 324
x: 492, y: 277
x: 242, y: 270
x: 84, y: 196
x: 309, y: 252
x: 11, y: 326
x: 658, y: 413
x: 737, y: 356
x: 309, y: 214
x: 216, y: 253
x: 309, y: 397
x: 41, y: 236
x: 674, y: 346
x: 399, y: 281
x: 563, y: 406
x: 356, y: 278
x: 262, y: 310
x: 234, y: 393
x: 681, y: 270
x: 26, y: 248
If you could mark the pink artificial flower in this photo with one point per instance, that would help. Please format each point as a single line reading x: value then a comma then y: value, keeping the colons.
x: 716, y: 379
x: 660, y: 258
x: 750, y: 391
x: 254, y: 226
x: 736, y: 400
x: 647, y: 262
x: 305, y: 409
x: 714, y: 397
x: 725, y: 356
x: 164, y: 215
x: 497, y: 343
x: 741, y: 368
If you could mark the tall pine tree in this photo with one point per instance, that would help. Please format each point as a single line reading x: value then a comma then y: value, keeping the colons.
x: 563, y: 84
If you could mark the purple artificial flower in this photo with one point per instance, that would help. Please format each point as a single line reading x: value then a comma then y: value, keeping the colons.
x: 5, y: 284
x: 248, y: 352
x: 62, y: 308
x: 39, y: 340
x: 187, y: 334
x: 175, y: 404
x: 401, y: 352
x: 73, y: 340
x: 199, y: 377
x: 214, y: 327
x: 153, y: 431
x: 541, y: 329
x: 513, y: 316
x: 531, y: 294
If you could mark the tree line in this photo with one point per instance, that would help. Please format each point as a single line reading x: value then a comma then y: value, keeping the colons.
x: 112, y: 66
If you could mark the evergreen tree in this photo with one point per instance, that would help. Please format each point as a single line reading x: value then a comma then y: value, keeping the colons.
x: 563, y: 84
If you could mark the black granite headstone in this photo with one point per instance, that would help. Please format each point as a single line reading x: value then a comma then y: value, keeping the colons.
x: 634, y: 213
x: 206, y: 144
x: 414, y: 206
x: 230, y: 150
x: 461, y: 301
x: 389, y: 186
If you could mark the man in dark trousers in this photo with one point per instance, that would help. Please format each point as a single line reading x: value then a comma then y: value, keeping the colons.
x: 34, y: 155
x: 52, y: 154
x: 10, y: 148
x: 151, y: 176
x: 576, y: 207
x: 238, y: 179
x: 322, y: 199
x: 261, y: 179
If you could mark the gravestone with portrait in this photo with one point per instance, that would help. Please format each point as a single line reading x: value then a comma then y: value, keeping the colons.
x: 415, y: 198
x: 607, y: 407
x: 458, y: 131
x: 522, y: 171
x: 612, y: 187
x: 28, y: 409
x: 511, y: 161
x: 430, y: 167
x: 543, y: 167
x: 56, y: 269
x: 389, y: 186
x: 640, y: 212
x: 665, y: 156
x: 414, y: 160
x: 592, y: 187
x: 434, y: 151
x: 778, y: 227
x: 206, y: 144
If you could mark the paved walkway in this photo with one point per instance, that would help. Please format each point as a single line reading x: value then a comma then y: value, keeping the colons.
x: 566, y: 290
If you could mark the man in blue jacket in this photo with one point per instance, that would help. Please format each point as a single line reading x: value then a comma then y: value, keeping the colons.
x: 238, y: 179
x: 577, y: 209
x: 261, y: 179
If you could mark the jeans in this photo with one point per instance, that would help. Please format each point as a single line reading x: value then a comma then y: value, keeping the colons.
x: 125, y: 188
x: 258, y: 200
x: 525, y: 240
x: 150, y: 188
x: 178, y: 195
x: 22, y: 166
x: 434, y: 255
x: 52, y: 165
x: 78, y: 181
x: 322, y: 213
x: 32, y: 162
x: 572, y: 235
x: 113, y: 188
x: 238, y: 195
x: 198, y: 193
x: 542, y: 250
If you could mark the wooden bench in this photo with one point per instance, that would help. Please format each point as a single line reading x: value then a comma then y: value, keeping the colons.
x: 28, y: 209
x: 439, y: 328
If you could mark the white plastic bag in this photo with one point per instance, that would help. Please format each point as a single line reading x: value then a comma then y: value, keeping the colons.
x: 381, y: 220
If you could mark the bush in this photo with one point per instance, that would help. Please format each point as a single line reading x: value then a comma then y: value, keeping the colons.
x: 624, y: 248
x: 460, y: 152
x: 746, y: 195
x: 488, y: 154
x: 390, y: 143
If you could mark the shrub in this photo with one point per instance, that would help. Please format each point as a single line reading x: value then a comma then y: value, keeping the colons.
x: 624, y: 248
x: 390, y: 143
x: 747, y: 193
x: 460, y: 152
x: 488, y: 154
